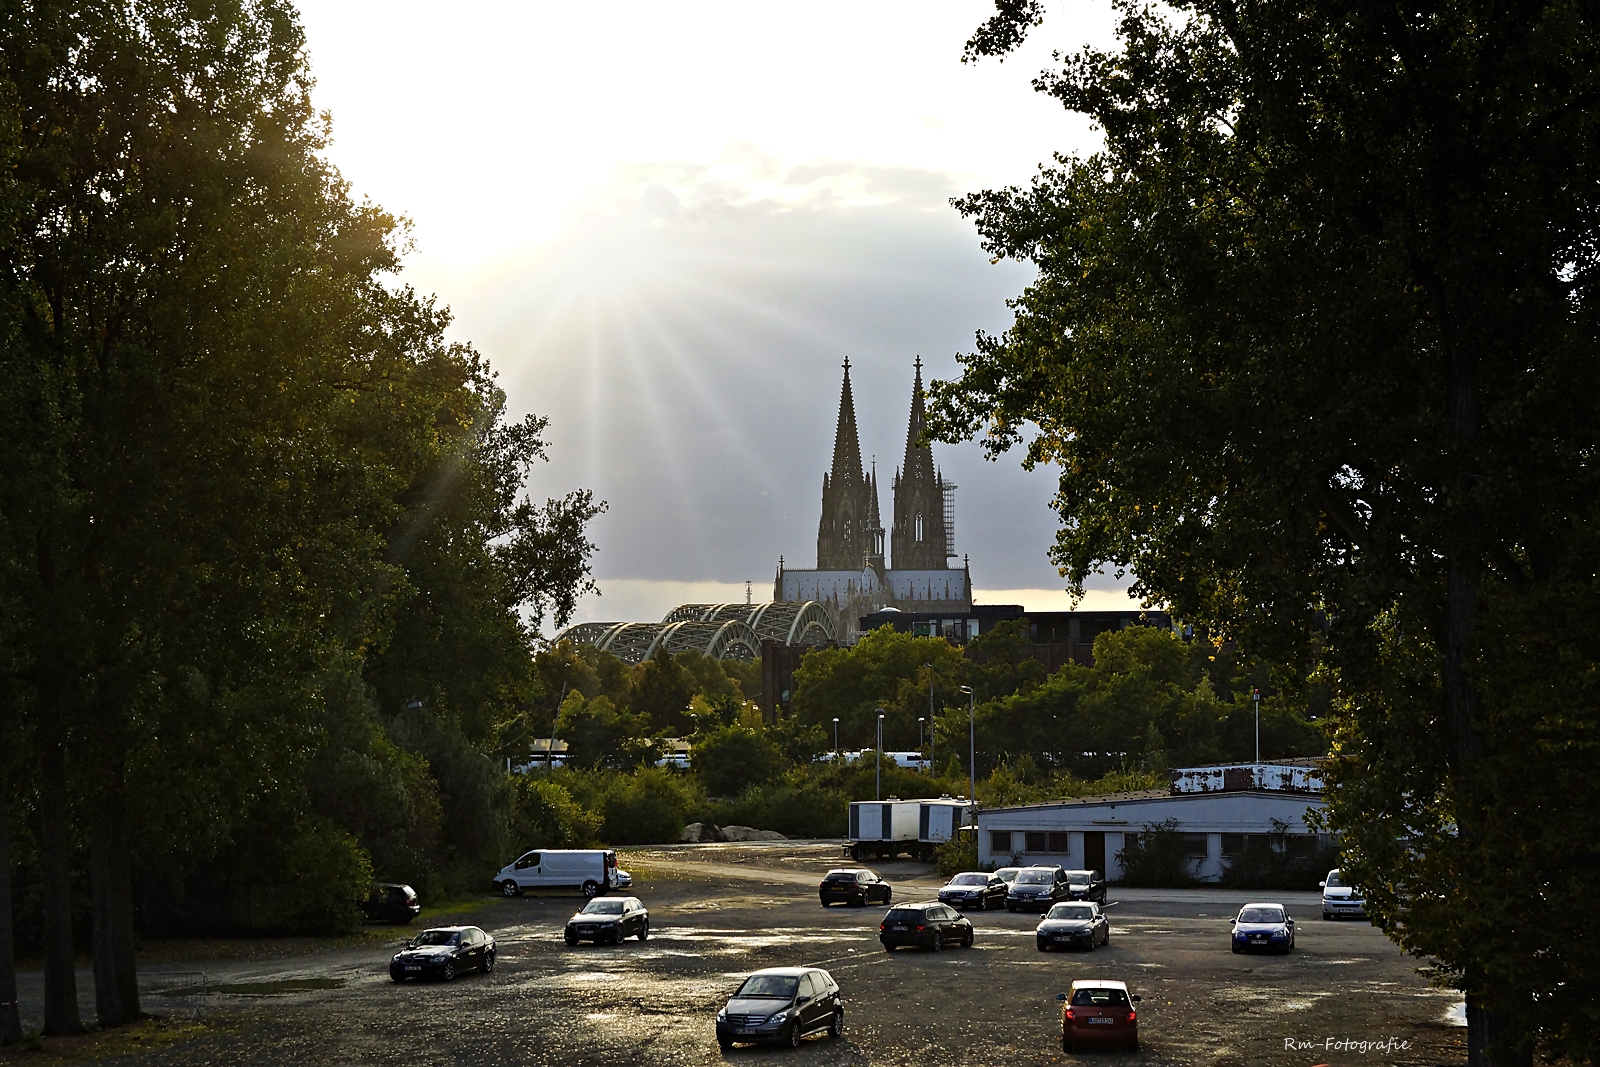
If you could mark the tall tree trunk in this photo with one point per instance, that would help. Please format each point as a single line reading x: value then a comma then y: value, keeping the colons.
x: 10, y: 1019
x: 116, y: 985
x: 60, y: 972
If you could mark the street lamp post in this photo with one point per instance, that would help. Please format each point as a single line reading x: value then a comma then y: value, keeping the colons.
x: 878, y: 756
x: 1257, y: 694
x: 920, y: 721
x: 972, y: 751
x: 835, y: 738
x: 929, y: 667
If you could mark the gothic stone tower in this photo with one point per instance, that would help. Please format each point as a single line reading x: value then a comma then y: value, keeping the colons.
x: 850, y: 533
x: 918, y: 541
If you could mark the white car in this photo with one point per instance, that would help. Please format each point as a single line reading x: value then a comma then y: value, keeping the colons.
x: 1340, y: 899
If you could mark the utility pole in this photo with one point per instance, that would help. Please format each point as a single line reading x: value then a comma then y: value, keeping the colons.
x: 929, y: 666
x: 877, y: 757
x: 1257, y: 694
x: 972, y: 752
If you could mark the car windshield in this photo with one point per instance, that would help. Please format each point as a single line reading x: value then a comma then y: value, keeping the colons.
x: 1035, y: 877
x: 1071, y: 911
x: 1099, y: 998
x: 438, y: 937
x: 1261, y: 915
x: 903, y: 915
x: 1333, y: 880
x: 1080, y: 877
x: 603, y: 907
x: 970, y: 879
x: 776, y: 986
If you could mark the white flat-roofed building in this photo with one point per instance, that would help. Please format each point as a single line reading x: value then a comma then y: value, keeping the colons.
x: 1218, y: 810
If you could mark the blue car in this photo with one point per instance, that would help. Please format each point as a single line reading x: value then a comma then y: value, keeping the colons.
x: 1263, y: 927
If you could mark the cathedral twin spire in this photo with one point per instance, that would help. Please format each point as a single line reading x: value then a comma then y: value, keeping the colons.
x: 851, y: 534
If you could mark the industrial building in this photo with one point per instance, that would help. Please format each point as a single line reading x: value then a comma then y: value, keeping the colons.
x: 1218, y: 809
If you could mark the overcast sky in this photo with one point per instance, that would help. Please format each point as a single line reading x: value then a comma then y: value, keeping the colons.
x: 667, y: 224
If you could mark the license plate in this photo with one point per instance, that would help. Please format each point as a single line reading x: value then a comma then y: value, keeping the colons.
x: 1063, y: 937
x: 897, y: 927
x: 745, y: 1030
x: 413, y: 968
x: 1101, y: 1022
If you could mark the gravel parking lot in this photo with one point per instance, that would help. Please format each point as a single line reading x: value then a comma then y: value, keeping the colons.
x: 720, y: 911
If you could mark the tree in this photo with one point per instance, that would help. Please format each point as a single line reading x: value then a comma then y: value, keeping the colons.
x: 731, y: 759
x: 1313, y: 346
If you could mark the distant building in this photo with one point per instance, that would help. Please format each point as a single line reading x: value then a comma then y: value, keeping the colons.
x: 852, y: 578
x: 1058, y: 637
x: 1220, y: 811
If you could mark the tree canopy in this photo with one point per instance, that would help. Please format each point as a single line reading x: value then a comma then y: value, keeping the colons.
x: 1313, y: 348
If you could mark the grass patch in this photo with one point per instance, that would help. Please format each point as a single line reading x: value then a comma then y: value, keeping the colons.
x: 144, y: 1036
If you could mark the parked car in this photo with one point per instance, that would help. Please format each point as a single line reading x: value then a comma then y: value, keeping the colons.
x: 931, y: 925
x: 1100, y: 1012
x: 1007, y: 874
x: 444, y: 952
x: 1340, y: 899
x: 854, y: 885
x: 1073, y: 923
x: 609, y: 919
x: 1037, y: 888
x: 1086, y: 885
x: 973, y: 889
x: 781, y: 1004
x: 590, y: 871
x: 390, y: 903
x: 1263, y: 926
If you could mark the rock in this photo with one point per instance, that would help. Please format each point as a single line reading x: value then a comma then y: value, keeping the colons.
x: 750, y: 833
x: 697, y: 833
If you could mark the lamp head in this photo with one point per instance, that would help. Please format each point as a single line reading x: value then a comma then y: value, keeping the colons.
x: 967, y: 689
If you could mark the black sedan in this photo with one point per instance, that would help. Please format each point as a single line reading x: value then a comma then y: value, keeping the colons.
x: 974, y: 889
x: 609, y: 919
x: 444, y: 953
x: 1073, y: 924
x: 854, y: 885
x: 781, y: 1005
x: 390, y: 903
x: 1037, y: 889
x: 1086, y: 885
x: 931, y: 925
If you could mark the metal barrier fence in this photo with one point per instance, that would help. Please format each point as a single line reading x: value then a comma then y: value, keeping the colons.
x: 171, y: 992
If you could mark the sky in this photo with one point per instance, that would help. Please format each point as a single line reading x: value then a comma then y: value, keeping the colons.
x: 667, y: 225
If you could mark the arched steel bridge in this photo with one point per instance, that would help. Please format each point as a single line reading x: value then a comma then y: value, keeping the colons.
x: 721, y: 631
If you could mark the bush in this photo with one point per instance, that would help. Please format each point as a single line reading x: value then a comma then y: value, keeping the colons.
x: 1282, y: 861
x: 648, y: 807
x: 1156, y: 858
x: 546, y: 816
x: 958, y: 854
x: 794, y: 809
x: 732, y: 758
x: 326, y: 875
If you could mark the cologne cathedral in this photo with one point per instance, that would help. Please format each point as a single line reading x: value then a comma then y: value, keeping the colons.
x: 852, y: 577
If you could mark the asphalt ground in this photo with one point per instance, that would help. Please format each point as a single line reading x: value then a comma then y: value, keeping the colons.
x: 718, y: 912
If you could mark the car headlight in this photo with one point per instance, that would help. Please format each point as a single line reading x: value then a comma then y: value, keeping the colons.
x: 778, y: 1018
x: 722, y: 1016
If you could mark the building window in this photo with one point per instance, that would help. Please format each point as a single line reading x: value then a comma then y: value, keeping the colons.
x: 1194, y: 845
x: 1000, y: 841
x: 1036, y: 841
x: 919, y: 527
x: 1060, y: 843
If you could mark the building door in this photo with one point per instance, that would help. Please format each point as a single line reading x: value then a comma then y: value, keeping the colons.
x: 1094, y: 849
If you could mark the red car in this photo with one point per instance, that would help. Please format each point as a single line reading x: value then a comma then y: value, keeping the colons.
x: 1099, y: 1013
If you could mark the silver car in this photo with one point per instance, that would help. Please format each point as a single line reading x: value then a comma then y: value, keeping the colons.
x: 1341, y: 900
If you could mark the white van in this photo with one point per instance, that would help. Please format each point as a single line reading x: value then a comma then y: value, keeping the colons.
x: 591, y: 871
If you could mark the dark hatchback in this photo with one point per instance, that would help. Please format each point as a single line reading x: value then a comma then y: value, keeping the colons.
x: 609, y: 919
x: 1086, y: 885
x: 932, y: 925
x: 974, y: 889
x: 1037, y: 888
x: 781, y: 1005
x: 855, y: 885
x: 444, y: 953
x: 389, y: 903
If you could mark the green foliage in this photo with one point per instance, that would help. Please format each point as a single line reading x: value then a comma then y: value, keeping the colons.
x: 326, y: 872
x: 1155, y: 857
x: 647, y: 807
x: 796, y: 806
x: 598, y: 733
x: 546, y: 816
x: 883, y: 670
x: 730, y: 759
x: 1282, y: 861
x: 958, y: 854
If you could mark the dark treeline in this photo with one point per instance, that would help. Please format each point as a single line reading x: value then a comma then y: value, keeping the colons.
x: 267, y: 575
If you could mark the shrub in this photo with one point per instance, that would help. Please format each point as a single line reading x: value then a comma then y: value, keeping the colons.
x: 732, y: 758
x: 647, y: 807
x: 326, y: 875
x: 1280, y: 861
x: 958, y: 854
x: 546, y: 816
x: 794, y: 809
x: 1156, y: 857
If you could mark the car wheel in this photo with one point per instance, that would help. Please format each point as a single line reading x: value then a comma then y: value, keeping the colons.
x: 1042, y: 946
x: 507, y: 888
x: 571, y: 939
x: 888, y: 897
x: 889, y: 947
x: 966, y: 939
x: 644, y: 931
x: 396, y: 977
x: 1066, y: 1044
x: 726, y: 1046
x: 794, y: 1034
x: 488, y: 962
x: 591, y: 889
x: 1010, y: 908
x: 859, y: 902
x: 1237, y: 950
x: 1133, y: 1044
x: 937, y: 945
x: 983, y: 903
x: 449, y: 971
x: 836, y: 1026
x: 1092, y: 945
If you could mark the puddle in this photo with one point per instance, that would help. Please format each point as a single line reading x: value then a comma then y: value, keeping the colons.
x: 288, y: 985
x: 1457, y: 1015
